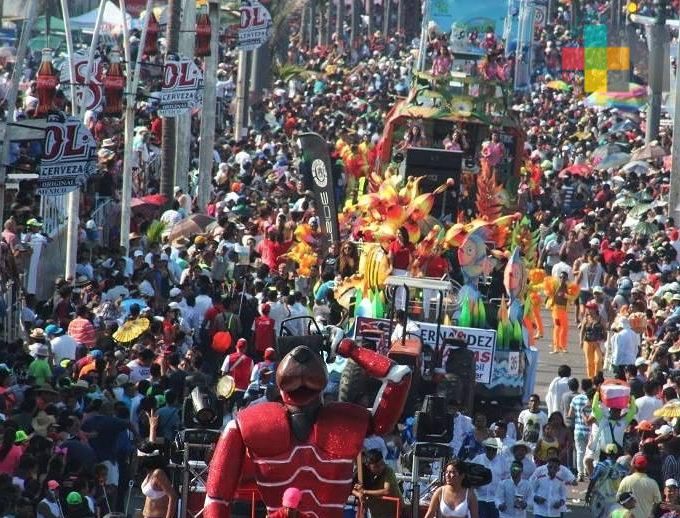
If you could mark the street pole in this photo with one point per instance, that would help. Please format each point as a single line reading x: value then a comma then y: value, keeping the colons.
x: 370, y: 8
x: 400, y: 17
x: 329, y: 23
x: 656, y: 39
x: 340, y: 20
x: 183, y: 146
x: 240, y: 117
x: 93, y: 46
x: 130, y: 101
x: 73, y: 198
x: 312, y: 23
x: 169, y: 139
x: 206, y: 152
x: 674, y: 196
x: 26, y: 30
x: 387, y: 14
x: 355, y: 24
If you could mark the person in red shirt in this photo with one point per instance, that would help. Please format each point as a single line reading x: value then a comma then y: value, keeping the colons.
x: 400, y: 253
x: 269, y: 249
x: 263, y: 331
x: 156, y: 128
x: 239, y: 366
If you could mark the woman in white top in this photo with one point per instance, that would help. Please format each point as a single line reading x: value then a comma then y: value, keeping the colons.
x: 453, y: 499
x: 161, y: 497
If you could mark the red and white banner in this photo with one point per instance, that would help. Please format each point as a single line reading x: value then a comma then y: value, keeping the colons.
x: 69, y: 156
x: 182, y: 87
x: 89, y: 93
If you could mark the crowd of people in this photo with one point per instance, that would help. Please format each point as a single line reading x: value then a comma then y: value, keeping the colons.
x: 91, y: 396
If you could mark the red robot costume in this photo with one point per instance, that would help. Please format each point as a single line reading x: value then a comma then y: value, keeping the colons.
x: 303, y: 442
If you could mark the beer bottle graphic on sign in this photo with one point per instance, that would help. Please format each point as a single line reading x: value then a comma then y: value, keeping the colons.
x: 114, y: 86
x: 46, y: 84
x: 203, y: 31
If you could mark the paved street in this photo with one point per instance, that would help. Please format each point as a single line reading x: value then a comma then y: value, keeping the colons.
x: 547, y: 370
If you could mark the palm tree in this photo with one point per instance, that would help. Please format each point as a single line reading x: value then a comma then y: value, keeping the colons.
x: 170, y: 124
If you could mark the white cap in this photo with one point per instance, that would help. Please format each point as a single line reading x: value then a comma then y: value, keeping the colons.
x: 175, y: 292
x: 177, y: 189
x: 173, y: 305
x: 595, y: 242
x: 671, y: 482
x: 138, y: 253
x: 664, y: 430
x: 641, y: 361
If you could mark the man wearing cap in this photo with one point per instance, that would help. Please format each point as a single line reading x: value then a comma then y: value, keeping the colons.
x: 625, y: 503
x: 49, y: 506
x: 643, y: 488
x: 670, y: 507
x: 486, y: 495
x: 607, y: 475
x: 39, y: 369
x: 264, y: 334
x: 36, y: 240
x: 239, y: 366
x: 63, y: 346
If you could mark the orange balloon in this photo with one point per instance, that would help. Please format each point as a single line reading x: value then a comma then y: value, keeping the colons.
x: 221, y: 342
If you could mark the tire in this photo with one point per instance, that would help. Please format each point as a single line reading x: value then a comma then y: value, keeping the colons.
x: 356, y: 384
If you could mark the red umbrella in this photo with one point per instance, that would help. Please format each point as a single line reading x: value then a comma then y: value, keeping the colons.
x: 576, y: 170
x: 155, y: 199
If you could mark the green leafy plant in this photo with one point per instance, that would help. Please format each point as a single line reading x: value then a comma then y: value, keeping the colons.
x: 155, y: 231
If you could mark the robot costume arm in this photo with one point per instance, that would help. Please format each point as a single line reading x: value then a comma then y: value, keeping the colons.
x: 225, y: 472
x: 396, y: 381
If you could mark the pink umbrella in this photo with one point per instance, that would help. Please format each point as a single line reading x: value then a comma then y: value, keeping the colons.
x: 576, y: 170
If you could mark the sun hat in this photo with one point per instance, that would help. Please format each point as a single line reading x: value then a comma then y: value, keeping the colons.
x: 33, y: 223
x: 491, y: 442
x: 53, y: 329
x: 37, y: 334
x: 20, y: 437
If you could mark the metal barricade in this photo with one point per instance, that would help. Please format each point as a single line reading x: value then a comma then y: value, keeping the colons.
x: 53, y: 213
x: 100, y: 215
x: 396, y: 500
x: 12, y: 328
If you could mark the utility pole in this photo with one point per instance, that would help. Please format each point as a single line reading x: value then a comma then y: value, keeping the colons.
x: 170, y: 123
x: 370, y: 8
x: 400, y: 17
x: 205, y: 165
x: 130, y: 102
x: 329, y: 23
x: 356, y: 21
x: 340, y: 20
x: 183, y: 145
x: 73, y: 198
x: 31, y: 16
x: 312, y: 23
x: 241, y: 115
x: 387, y: 14
x: 674, y: 196
x: 656, y: 32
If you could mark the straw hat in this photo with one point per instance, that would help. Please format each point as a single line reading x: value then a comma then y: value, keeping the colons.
x: 42, y: 422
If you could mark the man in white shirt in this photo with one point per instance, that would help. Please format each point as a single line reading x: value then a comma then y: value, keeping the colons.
x: 531, y: 421
x: 550, y: 493
x: 625, y: 345
x: 647, y: 404
x: 486, y: 495
x: 63, y: 346
x: 562, y: 266
x: 462, y: 425
x: 513, y: 494
x: 557, y: 388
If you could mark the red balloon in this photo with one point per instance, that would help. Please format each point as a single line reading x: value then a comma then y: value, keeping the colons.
x: 221, y: 342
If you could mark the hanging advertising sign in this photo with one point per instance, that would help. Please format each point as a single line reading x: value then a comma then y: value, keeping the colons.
x: 182, y: 87
x: 69, y: 156
x: 255, y: 26
x: 89, y: 93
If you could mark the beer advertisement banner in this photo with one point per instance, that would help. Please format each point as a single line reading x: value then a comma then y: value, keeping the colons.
x: 182, y: 87
x: 89, y: 92
x: 69, y: 156
x: 255, y: 26
x: 315, y: 168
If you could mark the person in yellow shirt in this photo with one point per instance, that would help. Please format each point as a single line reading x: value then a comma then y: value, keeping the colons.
x: 643, y: 488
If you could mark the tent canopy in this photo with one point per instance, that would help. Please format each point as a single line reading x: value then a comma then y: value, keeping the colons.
x: 56, y: 24
x: 112, y: 22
